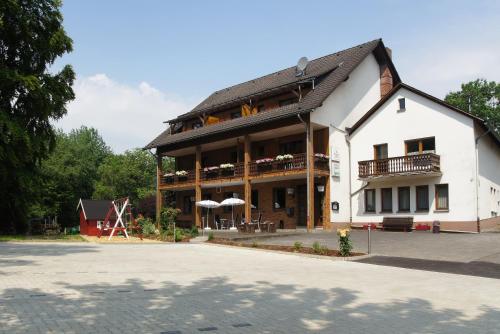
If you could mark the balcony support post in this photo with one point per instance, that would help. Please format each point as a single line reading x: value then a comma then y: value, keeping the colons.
x: 159, y: 199
x: 310, y: 174
x: 197, y: 186
x: 326, y: 199
x: 246, y: 178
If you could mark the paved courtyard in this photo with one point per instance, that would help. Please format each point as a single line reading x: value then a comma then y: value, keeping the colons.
x: 197, y: 288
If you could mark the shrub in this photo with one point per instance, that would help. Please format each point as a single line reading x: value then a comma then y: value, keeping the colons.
x: 316, y: 247
x: 146, y: 224
x: 323, y: 250
x: 345, y: 244
x: 168, y: 217
x: 297, y: 246
x: 179, y: 235
x: 210, y: 235
x: 255, y: 244
x: 193, y: 231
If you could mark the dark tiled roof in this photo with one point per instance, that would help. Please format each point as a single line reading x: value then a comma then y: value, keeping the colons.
x: 329, y: 72
x: 95, y: 209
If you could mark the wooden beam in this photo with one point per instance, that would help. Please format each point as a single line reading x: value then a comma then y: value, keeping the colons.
x: 310, y: 175
x: 246, y: 178
x: 197, y: 186
x: 327, y: 200
x: 159, y: 199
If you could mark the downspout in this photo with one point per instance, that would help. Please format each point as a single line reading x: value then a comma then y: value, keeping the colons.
x: 307, y: 167
x: 476, y: 156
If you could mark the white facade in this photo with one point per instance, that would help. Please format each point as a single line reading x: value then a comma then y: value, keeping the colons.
x: 472, y: 174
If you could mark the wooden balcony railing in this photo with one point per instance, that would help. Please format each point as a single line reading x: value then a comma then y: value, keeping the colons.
x: 210, y: 173
x: 177, y: 179
x: 298, y: 162
x: 410, y: 164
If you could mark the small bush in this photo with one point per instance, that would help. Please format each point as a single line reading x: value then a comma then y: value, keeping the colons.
x: 146, y: 225
x: 297, y: 246
x: 193, y: 231
x: 323, y: 250
x: 255, y: 244
x: 316, y: 247
x: 179, y: 235
x: 210, y: 235
x: 345, y: 244
x: 168, y: 217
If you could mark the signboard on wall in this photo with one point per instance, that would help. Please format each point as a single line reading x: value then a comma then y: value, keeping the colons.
x: 335, y: 168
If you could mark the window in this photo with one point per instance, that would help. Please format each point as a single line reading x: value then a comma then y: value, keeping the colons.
x: 187, y: 207
x: 404, y: 199
x: 381, y: 151
x: 419, y: 146
x: 236, y: 156
x: 255, y: 199
x: 442, y: 200
x: 370, y: 200
x: 402, y: 104
x: 386, y: 199
x: 261, y: 151
x: 422, y: 197
x: 236, y: 114
x: 261, y: 108
x: 196, y: 125
x: 292, y: 147
x: 279, y: 198
x: 287, y: 102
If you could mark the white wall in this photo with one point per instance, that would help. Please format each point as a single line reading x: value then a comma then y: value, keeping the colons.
x: 342, y: 109
x: 454, y: 138
x: 489, y: 175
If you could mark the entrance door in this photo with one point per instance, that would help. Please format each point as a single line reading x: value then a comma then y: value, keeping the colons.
x: 302, y: 205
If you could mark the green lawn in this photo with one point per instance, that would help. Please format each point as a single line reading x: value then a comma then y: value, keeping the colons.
x: 62, y: 237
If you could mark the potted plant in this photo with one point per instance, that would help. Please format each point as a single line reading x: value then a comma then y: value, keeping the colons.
x: 168, y: 177
x: 321, y: 160
x: 227, y: 169
x: 211, y: 171
x: 284, y: 160
x: 181, y: 175
x: 264, y: 164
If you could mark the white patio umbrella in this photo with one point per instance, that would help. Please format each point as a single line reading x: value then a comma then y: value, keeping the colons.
x: 232, y: 202
x: 208, y: 204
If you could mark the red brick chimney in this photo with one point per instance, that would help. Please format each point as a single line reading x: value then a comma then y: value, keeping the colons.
x: 385, y: 76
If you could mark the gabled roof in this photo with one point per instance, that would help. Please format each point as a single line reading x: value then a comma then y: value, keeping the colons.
x: 434, y: 99
x: 328, y: 73
x: 94, y: 209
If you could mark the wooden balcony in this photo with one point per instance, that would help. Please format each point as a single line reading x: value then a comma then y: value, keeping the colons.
x: 216, y: 173
x: 421, y: 164
x: 298, y: 164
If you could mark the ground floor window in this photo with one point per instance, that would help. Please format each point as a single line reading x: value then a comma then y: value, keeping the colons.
x: 422, y: 197
x: 279, y: 198
x: 404, y: 199
x: 370, y: 200
x: 442, y: 200
x: 187, y: 207
x: 386, y: 199
x: 255, y: 199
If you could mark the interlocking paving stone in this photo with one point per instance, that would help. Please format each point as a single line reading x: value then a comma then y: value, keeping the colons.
x: 207, y: 329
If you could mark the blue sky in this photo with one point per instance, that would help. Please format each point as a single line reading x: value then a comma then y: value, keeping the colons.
x: 141, y: 62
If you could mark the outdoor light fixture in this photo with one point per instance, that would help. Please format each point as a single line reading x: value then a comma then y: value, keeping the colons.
x: 321, y: 188
x: 290, y: 191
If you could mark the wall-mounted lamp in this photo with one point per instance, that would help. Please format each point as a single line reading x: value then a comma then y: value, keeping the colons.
x: 321, y: 188
x: 290, y: 191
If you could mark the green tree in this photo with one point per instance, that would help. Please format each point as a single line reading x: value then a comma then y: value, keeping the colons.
x: 31, y: 39
x: 70, y: 173
x: 131, y: 174
x: 481, y: 98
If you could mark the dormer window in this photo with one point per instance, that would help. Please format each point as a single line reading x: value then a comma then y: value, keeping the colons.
x: 236, y: 114
x: 402, y: 104
x: 196, y: 125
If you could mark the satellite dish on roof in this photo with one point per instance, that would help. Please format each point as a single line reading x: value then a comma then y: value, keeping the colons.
x: 301, y: 66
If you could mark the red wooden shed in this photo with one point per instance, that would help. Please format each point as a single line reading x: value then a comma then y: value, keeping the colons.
x: 92, y: 216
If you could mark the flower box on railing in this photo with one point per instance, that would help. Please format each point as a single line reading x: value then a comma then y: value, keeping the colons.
x: 212, y: 171
x: 284, y: 161
x: 321, y: 157
x: 168, y: 177
x: 264, y: 164
x: 182, y: 175
x: 227, y: 169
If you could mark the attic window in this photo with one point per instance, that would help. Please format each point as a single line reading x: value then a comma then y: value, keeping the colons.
x: 402, y: 104
x: 236, y: 114
x: 196, y: 125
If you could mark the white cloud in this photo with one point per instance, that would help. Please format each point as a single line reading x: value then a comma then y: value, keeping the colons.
x: 127, y: 117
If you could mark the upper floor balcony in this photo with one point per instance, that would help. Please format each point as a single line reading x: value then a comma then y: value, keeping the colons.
x: 419, y: 164
x: 279, y: 166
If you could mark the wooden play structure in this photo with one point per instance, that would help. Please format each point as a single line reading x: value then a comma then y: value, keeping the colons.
x: 120, y: 213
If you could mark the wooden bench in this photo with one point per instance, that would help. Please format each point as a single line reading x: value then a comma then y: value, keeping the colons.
x: 397, y: 223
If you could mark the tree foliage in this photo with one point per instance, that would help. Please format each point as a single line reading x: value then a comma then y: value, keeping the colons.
x: 70, y: 173
x: 483, y: 97
x: 130, y: 174
x: 31, y: 39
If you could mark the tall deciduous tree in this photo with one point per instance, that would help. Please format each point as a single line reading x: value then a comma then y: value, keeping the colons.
x: 481, y: 98
x: 31, y: 39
